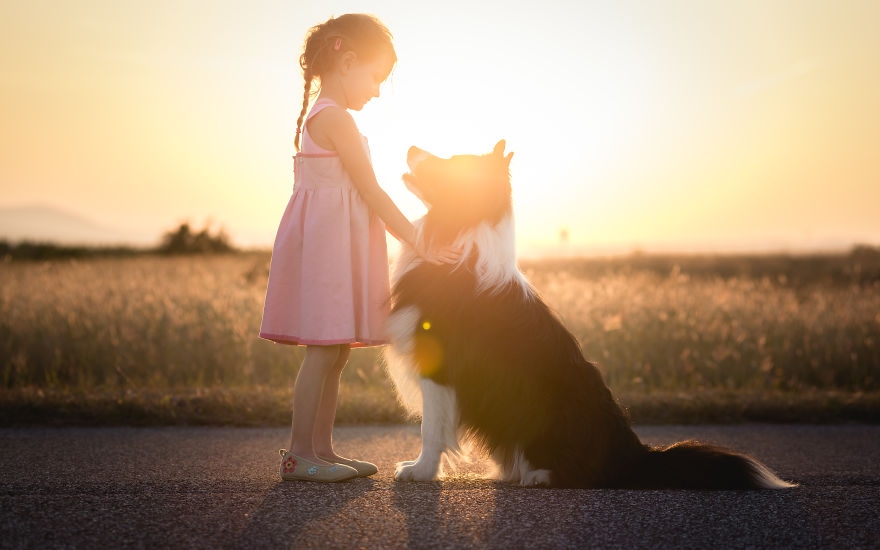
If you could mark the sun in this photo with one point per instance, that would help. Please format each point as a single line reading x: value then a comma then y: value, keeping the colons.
x: 547, y: 165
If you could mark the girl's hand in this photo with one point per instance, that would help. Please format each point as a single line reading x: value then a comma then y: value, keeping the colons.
x: 439, y: 256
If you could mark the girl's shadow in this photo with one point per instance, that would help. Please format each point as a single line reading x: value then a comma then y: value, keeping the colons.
x: 289, y: 507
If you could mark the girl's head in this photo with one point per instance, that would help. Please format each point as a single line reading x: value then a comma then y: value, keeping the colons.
x: 357, y: 42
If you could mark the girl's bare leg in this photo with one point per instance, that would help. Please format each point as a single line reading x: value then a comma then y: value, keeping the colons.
x: 323, y: 436
x: 318, y: 366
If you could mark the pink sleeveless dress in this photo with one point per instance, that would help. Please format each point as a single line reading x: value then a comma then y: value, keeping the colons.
x: 328, y: 279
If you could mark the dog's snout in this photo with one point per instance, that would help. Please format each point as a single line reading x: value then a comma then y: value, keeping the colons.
x: 414, y: 156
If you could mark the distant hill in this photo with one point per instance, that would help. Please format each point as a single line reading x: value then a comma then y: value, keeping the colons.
x: 41, y: 223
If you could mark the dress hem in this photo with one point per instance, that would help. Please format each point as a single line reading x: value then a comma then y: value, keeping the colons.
x: 296, y: 341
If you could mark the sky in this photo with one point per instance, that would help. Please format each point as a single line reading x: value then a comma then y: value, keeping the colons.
x: 659, y: 125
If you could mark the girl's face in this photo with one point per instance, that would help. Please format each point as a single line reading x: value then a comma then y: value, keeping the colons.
x: 361, y: 80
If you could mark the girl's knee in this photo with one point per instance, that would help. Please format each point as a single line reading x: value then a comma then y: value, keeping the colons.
x: 342, y: 358
x: 329, y: 357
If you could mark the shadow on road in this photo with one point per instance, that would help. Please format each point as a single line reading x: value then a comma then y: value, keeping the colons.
x: 454, y: 513
x: 290, y: 508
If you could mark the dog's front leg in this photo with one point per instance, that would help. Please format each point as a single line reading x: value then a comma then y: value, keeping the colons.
x: 439, y: 433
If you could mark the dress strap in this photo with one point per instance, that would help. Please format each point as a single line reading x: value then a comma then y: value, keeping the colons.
x: 320, y: 105
x: 309, y: 147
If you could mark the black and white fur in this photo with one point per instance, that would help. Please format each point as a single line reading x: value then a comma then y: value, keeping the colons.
x: 478, y: 354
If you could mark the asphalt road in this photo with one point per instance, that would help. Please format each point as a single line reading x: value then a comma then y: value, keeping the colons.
x: 219, y: 488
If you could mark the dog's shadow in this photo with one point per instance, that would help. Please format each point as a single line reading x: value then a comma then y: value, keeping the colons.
x: 292, y: 510
x: 458, y: 512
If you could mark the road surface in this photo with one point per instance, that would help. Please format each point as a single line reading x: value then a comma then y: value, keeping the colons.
x: 219, y: 488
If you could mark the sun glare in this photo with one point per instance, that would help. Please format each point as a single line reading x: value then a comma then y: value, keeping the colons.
x: 450, y: 99
x: 646, y: 126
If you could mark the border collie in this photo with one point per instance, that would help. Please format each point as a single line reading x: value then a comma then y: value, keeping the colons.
x: 477, y: 353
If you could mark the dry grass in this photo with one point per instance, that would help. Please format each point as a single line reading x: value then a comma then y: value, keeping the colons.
x: 141, y: 322
x: 678, y: 332
x: 173, y: 340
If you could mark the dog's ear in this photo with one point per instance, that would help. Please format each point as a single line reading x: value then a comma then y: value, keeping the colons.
x: 499, y: 151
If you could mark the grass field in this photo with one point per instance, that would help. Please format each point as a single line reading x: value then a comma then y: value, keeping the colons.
x: 148, y: 339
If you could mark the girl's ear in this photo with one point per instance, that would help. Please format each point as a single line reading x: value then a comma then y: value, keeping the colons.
x: 347, y: 61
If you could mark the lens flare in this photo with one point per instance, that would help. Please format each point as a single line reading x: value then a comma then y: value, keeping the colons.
x: 428, y: 351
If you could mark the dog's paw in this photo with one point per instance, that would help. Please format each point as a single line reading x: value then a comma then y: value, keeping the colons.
x: 413, y: 470
x: 536, y: 478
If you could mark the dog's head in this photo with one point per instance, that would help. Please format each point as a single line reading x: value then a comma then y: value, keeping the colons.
x: 461, y: 192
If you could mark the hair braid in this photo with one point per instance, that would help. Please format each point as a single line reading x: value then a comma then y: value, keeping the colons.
x: 305, y: 106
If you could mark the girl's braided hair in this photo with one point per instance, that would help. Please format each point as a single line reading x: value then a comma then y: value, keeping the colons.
x: 363, y: 34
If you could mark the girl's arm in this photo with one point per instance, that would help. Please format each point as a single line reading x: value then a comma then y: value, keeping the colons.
x: 338, y: 126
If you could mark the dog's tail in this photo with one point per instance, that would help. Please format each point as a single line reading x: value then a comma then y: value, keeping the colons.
x: 694, y: 465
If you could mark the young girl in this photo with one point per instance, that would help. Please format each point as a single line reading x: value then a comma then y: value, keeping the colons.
x: 328, y: 281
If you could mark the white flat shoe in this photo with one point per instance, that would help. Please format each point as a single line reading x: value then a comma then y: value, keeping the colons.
x: 295, y: 468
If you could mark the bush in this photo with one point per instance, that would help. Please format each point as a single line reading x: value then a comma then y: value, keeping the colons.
x: 184, y: 240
